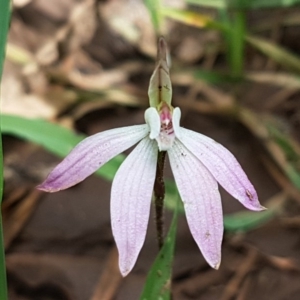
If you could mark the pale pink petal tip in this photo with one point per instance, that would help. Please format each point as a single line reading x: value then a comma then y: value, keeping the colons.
x: 60, y: 178
x: 50, y: 185
x: 250, y: 200
x: 90, y: 154
x: 222, y: 165
x: 212, y: 256
x: 124, y: 269
x: 202, y: 201
x: 43, y: 187
x: 130, y: 203
x: 217, y: 266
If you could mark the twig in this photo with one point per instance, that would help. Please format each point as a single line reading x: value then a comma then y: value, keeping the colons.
x: 244, y: 290
x: 197, y: 283
x: 281, y: 179
x: 233, y: 285
x: 110, y: 278
x: 17, y: 219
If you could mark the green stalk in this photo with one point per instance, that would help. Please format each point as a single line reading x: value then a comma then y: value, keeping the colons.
x: 4, y: 23
x: 235, y: 38
x: 238, y: 43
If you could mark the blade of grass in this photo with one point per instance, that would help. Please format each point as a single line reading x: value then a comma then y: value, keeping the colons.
x: 154, y: 8
x: 56, y: 139
x: 192, y: 18
x: 158, y: 282
x: 235, y: 40
x: 255, y: 4
x: 246, y: 4
x: 277, y: 53
x: 248, y: 220
x: 280, y: 79
x: 214, y: 77
x: 292, y: 157
x: 275, y: 145
x: 4, y: 24
x: 208, y: 3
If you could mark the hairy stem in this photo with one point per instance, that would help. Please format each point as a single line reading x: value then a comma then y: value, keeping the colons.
x: 159, y: 195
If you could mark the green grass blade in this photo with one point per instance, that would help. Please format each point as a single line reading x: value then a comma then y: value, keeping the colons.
x: 245, y: 4
x: 154, y: 8
x: 192, y: 18
x: 4, y: 24
x: 248, y: 220
x: 56, y: 139
x: 208, y: 3
x: 171, y: 195
x: 236, y: 41
x: 288, y: 147
x: 256, y: 4
x: 158, y: 282
x: 214, y: 77
x: 277, y: 53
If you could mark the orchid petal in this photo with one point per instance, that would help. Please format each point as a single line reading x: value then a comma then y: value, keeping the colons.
x: 91, y: 154
x: 223, y: 166
x: 153, y: 120
x: 130, y: 202
x: 202, y: 202
x: 176, y: 121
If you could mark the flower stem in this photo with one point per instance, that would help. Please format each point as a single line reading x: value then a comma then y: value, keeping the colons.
x: 159, y: 195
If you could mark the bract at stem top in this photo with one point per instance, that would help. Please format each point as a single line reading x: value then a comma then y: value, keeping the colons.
x: 160, y: 88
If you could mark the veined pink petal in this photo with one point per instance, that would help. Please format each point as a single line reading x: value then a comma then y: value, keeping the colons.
x: 222, y: 165
x: 91, y: 154
x: 130, y: 202
x: 202, y: 202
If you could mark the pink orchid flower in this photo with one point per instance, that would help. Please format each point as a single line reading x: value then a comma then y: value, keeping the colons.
x: 198, y: 164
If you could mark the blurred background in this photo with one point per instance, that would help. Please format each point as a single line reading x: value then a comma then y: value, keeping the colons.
x: 77, y: 67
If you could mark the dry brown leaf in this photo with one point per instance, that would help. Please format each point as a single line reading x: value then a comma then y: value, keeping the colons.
x: 77, y: 32
x: 97, y: 82
x: 131, y: 20
x: 30, y: 96
x: 21, y: 3
x: 15, y: 101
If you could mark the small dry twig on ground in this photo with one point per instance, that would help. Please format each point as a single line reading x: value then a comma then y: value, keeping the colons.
x: 14, y: 222
x: 234, y: 284
x: 197, y: 283
x: 110, y: 279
